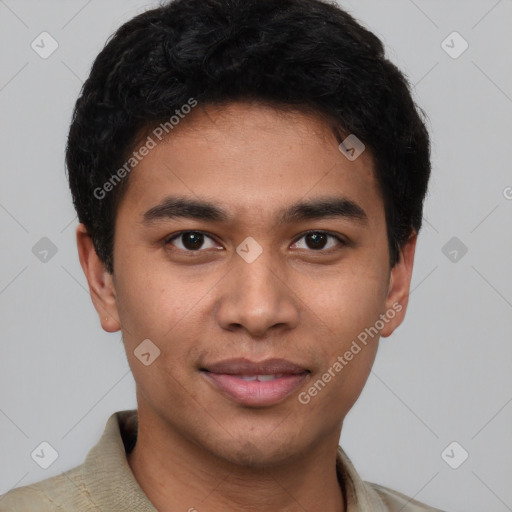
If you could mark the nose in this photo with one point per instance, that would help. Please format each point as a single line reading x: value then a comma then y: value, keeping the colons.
x: 256, y: 297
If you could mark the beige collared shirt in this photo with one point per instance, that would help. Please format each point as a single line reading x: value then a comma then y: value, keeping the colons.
x: 105, y: 483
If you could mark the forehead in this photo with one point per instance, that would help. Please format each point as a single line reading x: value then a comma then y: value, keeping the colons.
x: 251, y: 159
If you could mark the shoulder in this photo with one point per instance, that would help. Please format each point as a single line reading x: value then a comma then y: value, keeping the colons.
x: 103, y: 481
x: 396, y: 501
x: 35, y: 497
x: 61, y: 493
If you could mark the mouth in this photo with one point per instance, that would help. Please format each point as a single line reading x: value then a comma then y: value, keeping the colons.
x: 256, y: 384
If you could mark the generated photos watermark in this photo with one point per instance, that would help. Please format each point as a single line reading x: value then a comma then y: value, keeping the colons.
x: 342, y: 360
x: 157, y: 135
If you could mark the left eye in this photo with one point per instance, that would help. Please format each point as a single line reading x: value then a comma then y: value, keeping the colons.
x: 191, y: 241
x: 317, y: 240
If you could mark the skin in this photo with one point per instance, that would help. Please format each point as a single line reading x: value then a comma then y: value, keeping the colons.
x: 196, y: 447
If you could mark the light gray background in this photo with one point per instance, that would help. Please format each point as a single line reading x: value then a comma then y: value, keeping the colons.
x: 445, y: 375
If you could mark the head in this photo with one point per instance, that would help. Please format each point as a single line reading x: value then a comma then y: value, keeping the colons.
x: 205, y: 122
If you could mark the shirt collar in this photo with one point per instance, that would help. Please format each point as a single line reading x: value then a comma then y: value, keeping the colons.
x: 106, y: 463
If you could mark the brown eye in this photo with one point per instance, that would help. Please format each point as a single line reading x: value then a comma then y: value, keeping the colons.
x: 191, y: 241
x: 317, y: 240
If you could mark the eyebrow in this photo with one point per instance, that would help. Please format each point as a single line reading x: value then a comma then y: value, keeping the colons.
x: 319, y: 208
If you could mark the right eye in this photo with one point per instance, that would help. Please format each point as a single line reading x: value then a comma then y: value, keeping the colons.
x: 191, y: 241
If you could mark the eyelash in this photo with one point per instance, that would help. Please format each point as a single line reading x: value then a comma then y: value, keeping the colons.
x: 342, y: 242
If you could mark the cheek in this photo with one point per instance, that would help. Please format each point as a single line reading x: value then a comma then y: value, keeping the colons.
x: 346, y: 302
x: 157, y: 306
x: 351, y: 307
x: 164, y: 305
x: 149, y: 299
x: 334, y: 390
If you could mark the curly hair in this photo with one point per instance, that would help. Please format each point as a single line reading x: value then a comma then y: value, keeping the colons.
x: 307, y: 55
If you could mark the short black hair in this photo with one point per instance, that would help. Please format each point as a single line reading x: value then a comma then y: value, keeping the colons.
x: 307, y: 55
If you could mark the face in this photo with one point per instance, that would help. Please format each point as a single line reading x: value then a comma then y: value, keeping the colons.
x: 248, y: 244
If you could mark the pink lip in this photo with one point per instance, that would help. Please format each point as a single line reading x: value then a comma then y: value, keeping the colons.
x: 256, y: 393
x: 227, y: 377
x: 241, y: 366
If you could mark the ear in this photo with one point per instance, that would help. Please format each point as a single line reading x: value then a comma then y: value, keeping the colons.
x: 399, y: 286
x: 101, y: 283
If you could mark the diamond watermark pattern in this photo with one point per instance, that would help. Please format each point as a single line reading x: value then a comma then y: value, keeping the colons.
x: 44, y: 45
x: 352, y: 147
x: 249, y: 249
x: 454, y: 249
x: 454, y: 45
x: 44, y: 455
x: 44, y: 250
x: 146, y: 352
x: 454, y: 455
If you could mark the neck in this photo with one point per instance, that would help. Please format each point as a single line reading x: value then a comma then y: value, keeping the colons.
x: 177, y: 474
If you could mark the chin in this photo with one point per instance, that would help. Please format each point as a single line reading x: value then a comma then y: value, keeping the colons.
x: 257, y: 454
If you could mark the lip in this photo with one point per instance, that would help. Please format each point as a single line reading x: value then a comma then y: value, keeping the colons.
x: 242, y: 366
x: 226, y: 377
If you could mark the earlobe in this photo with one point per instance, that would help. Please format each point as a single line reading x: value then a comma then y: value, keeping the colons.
x: 101, y: 284
x: 399, y: 287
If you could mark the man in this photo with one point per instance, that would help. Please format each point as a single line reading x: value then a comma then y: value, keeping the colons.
x: 249, y: 177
